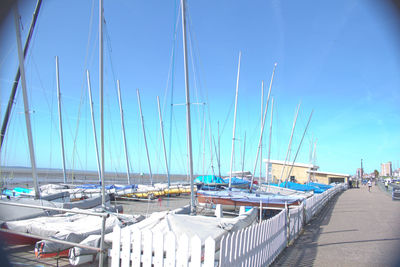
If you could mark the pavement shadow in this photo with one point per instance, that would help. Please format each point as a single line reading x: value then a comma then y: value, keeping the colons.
x: 304, y: 250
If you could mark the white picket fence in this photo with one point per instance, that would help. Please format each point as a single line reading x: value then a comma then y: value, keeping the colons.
x: 296, y: 222
x: 256, y: 245
x: 159, y: 250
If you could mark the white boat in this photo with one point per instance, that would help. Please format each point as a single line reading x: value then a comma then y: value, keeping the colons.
x: 284, y: 191
x: 67, y: 227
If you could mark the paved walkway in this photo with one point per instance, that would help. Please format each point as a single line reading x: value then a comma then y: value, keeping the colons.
x: 357, y: 228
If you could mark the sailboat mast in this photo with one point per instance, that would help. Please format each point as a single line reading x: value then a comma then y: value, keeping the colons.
x: 102, y: 180
x: 93, y: 125
x: 219, y: 153
x: 26, y: 104
x: 301, y: 141
x: 188, y: 120
x: 261, y: 125
x: 144, y: 136
x: 163, y: 140
x: 290, y: 142
x: 234, y: 120
x: 269, y: 143
x: 60, y: 121
x: 211, y: 152
x: 204, y: 140
x: 18, y: 75
x: 123, y: 132
x: 101, y: 101
x: 244, y: 153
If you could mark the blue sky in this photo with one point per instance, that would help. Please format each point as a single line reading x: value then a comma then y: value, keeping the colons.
x: 339, y: 58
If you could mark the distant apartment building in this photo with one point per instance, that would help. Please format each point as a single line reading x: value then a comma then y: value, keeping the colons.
x: 386, y: 169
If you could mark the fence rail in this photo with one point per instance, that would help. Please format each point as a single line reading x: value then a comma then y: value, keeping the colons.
x: 256, y: 245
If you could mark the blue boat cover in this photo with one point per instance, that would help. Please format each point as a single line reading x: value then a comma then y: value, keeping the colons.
x: 22, y: 190
x: 322, y: 186
x: 301, y: 187
x: 237, y: 181
x: 209, y: 179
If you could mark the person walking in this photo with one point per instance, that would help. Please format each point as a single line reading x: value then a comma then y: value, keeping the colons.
x: 369, y: 185
x: 386, y: 185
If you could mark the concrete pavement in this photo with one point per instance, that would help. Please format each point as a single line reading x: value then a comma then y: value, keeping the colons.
x: 356, y: 228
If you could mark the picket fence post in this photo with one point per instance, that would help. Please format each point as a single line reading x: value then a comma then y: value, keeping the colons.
x: 209, y: 252
x: 183, y: 252
x: 170, y: 250
x: 136, y: 247
x: 126, y: 247
x: 116, y: 246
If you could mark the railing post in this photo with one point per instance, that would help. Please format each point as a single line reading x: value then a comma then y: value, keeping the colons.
x: 287, y: 224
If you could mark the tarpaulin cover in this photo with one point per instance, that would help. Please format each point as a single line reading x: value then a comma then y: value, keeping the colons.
x: 209, y: 179
x: 237, y: 181
x: 322, y: 186
x: 301, y: 187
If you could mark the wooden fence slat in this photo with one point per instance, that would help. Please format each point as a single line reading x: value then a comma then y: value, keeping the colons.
x: 116, y: 246
x: 236, y: 247
x: 183, y: 251
x: 209, y: 252
x: 170, y: 249
x: 195, y: 251
x: 232, y: 241
x: 136, y: 247
x: 158, y: 241
x: 147, y: 248
x: 126, y: 247
x: 222, y: 250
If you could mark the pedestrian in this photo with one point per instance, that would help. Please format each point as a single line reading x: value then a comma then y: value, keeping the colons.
x: 369, y: 185
x: 386, y: 185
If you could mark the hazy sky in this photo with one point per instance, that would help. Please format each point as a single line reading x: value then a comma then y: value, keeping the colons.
x: 339, y: 58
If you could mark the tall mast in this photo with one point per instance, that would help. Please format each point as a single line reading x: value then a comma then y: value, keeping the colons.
x: 188, y: 122
x: 123, y: 132
x: 219, y: 153
x: 144, y: 136
x: 244, y: 153
x: 60, y: 121
x: 269, y: 143
x: 93, y: 126
x: 298, y: 149
x: 211, y: 152
x: 26, y: 104
x: 18, y: 75
x: 101, y: 101
x: 102, y: 178
x: 217, y: 149
x: 290, y: 141
x: 163, y: 140
x: 314, y: 156
x: 262, y: 127
x: 234, y: 120
x: 204, y: 141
